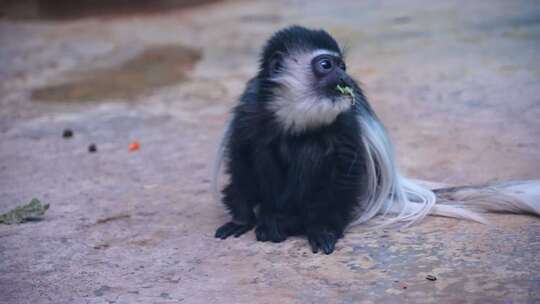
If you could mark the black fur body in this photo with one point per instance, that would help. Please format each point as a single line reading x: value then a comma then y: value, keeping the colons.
x: 305, y: 183
x: 302, y: 183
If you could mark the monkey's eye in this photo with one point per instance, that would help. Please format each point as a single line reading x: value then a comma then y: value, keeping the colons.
x: 325, y: 64
x: 342, y: 66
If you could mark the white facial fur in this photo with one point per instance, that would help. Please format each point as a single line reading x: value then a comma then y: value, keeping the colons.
x: 296, y: 105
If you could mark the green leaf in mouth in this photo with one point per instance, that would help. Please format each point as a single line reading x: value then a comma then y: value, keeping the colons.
x: 346, y: 91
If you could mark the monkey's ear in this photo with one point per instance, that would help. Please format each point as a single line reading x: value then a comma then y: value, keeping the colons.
x: 276, y: 63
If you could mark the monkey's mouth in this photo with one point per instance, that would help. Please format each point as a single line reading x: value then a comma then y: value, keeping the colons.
x: 345, y: 90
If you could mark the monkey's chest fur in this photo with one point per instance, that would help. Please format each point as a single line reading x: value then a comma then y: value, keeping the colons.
x: 303, y: 168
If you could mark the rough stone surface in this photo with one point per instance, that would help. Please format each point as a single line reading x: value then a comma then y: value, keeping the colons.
x: 457, y: 84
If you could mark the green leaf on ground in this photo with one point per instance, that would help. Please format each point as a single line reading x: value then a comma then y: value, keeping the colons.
x: 29, y: 212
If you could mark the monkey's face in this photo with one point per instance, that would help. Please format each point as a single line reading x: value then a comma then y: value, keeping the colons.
x: 305, y: 95
x: 330, y: 72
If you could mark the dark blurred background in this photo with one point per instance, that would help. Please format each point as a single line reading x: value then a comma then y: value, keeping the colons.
x: 66, y: 9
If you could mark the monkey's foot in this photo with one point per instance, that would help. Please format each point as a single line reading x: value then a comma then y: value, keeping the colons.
x: 232, y: 228
x: 269, y: 229
x: 323, y: 240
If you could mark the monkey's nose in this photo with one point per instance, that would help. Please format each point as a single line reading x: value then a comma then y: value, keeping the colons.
x: 344, y: 81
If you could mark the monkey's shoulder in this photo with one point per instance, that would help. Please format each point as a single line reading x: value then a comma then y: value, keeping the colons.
x: 252, y: 121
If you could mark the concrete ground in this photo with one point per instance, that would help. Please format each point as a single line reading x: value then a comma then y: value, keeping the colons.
x: 456, y: 82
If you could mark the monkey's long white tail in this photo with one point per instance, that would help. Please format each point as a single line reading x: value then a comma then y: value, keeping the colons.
x: 468, y: 202
x: 521, y: 197
x: 391, y: 198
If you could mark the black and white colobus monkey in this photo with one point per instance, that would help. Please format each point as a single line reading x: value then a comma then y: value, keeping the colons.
x: 307, y: 155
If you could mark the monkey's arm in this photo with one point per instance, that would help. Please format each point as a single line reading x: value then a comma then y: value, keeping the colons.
x: 329, y: 183
x: 242, y: 193
x: 276, y: 218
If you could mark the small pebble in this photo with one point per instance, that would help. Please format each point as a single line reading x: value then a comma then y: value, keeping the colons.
x: 431, y: 277
x: 68, y: 133
x: 92, y: 148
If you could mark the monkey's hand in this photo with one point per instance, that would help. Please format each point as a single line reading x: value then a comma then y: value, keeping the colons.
x: 323, y: 240
x: 232, y: 228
